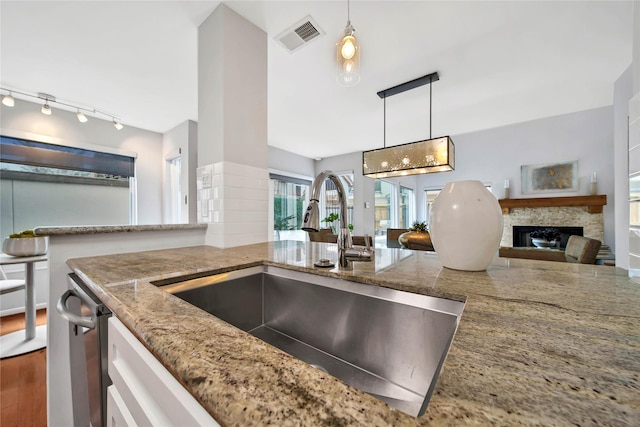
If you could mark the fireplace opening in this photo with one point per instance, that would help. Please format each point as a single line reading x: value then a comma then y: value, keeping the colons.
x: 521, y: 238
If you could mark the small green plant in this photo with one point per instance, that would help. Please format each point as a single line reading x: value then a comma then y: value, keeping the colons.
x: 23, y: 234
x: 282, y: 223
x: 419, y: 226
x: 329, y: 220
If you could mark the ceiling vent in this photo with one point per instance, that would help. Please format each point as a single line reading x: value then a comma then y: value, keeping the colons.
x: 299, y: 34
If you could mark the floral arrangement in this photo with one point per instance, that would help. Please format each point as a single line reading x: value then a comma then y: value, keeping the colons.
x: 420, y: 226
x: 549, y: 234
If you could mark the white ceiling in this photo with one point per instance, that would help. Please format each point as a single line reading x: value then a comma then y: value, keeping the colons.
x: 499, y: 63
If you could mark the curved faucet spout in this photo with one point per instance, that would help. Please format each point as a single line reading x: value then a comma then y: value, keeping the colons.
x: 311, y: 221
x: 312, y: 217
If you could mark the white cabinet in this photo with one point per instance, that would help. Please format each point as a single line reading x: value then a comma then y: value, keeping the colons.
x: 144, y: 393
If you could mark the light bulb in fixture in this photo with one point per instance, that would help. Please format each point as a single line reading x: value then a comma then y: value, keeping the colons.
x: 8, y: 100
x: 117, y: 124
x: 46, y: 110
x: 348, y: 47
x: 81, y: 117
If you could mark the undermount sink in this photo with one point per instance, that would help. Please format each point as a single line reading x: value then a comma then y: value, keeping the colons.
x: 390, y: 344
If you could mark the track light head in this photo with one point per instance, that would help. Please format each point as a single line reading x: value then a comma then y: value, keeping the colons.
x: 81, y: 117
x: 117, y: 124
x: 8, y: 100
x: 46, y: 110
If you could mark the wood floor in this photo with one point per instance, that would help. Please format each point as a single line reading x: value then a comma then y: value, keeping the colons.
x: 23, y: 380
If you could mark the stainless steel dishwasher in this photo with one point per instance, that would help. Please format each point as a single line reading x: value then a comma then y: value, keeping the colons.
x: 88, y: 344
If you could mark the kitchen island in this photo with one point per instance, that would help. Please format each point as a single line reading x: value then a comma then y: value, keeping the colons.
x: 539, y: 343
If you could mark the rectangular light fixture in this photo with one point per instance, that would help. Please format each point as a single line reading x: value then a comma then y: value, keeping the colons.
x: 428, y: 156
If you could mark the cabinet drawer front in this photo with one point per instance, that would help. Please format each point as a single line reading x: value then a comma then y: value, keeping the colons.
x: 152, y: 396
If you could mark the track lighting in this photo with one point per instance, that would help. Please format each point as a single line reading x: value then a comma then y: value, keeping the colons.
x: 46, y: 110
x: 8, y: 100
x: 49, y: 100
x: 81, y: 117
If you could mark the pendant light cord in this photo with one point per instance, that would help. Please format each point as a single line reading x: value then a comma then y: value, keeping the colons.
x: 384, y: 121
x: 430, y: 105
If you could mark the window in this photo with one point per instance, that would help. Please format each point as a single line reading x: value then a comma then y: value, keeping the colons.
x: 385, y: 207
x: 57, y: 185
x: 290, y: 199
x: 407, y: 207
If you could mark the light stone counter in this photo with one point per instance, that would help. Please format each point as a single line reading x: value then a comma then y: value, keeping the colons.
x: 539, y: 343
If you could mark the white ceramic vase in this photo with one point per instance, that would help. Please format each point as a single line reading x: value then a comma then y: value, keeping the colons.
x: 466, y: 226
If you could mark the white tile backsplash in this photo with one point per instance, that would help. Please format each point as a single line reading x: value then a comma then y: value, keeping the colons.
x: 234, y: 199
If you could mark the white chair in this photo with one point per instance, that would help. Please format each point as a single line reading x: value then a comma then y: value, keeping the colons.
x: 9, y: 285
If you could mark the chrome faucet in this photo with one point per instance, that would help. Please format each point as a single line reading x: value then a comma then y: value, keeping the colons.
x: 311, y: 222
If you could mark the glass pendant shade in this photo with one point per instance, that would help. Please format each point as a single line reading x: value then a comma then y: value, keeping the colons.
x: 431, y: 155
x: 46, y: 110
x: 348, y: 58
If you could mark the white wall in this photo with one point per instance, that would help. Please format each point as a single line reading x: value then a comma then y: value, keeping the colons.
x: 493, y: 155
x: 63, y: 126
x: 286, y: 161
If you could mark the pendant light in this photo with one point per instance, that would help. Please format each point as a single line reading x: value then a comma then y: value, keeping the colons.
x: 428, y: 156
x: 348, y: 55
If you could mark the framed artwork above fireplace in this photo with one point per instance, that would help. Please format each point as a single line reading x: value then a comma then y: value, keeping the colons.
x: 549, y: 177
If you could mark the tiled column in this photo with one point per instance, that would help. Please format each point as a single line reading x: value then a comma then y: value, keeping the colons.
x: 232, y: 176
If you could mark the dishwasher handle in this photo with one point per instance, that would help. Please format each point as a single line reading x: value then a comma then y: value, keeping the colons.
x: 61, y: 307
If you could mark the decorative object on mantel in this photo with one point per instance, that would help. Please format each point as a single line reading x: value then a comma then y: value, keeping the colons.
x: 550, y: 177
x: 428, y: 156
x: 545, y: 238
x: 593, y: 187
x: 594, y: 204
x: 506, y: 188
x: 417, y: 238
x: 466, y: 226
x: 25, y: 243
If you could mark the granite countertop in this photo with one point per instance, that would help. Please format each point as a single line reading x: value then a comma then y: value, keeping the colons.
x: 539, y: 343
x: 101, y: 229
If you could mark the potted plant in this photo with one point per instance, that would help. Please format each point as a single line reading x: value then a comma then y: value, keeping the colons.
x: 329, y: 220
x: 417, y: 237
x: 281, y: 223
x: 545, y: 237
x: 25, y: 243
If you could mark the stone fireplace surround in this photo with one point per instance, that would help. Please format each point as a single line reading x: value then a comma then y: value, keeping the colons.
x: 556, y: 216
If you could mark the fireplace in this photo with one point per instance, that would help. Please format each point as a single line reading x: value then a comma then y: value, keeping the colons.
x: 521, y: 235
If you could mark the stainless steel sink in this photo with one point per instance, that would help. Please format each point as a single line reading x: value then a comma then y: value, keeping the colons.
x: 387, y: 343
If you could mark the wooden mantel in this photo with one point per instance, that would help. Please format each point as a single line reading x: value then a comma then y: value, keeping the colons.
x: 593, y: 203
